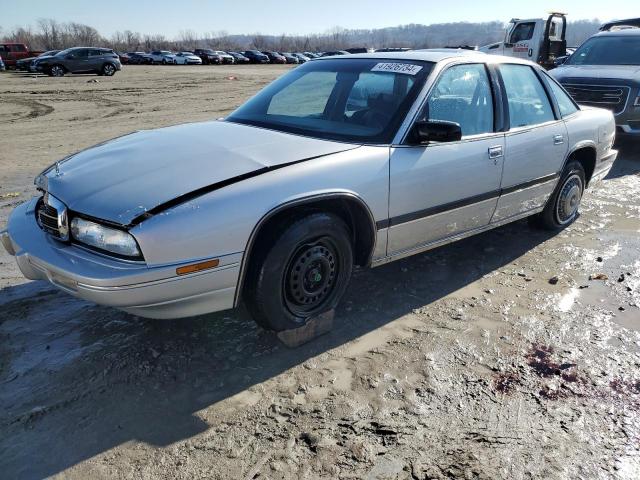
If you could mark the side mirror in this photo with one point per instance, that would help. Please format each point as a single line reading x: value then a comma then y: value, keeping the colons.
x: 426, y: 131
x: 560, y: 60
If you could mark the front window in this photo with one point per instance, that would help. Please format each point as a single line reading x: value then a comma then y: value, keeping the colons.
x: 613, y: 50
x: 463, y: 95
x: 360, y: 100
x: 523, y: 32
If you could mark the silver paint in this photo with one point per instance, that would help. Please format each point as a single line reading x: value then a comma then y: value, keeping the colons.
x: 119, y: 180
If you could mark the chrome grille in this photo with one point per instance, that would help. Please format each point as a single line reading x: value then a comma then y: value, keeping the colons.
x: 604, y: 96
x: 52, y: 217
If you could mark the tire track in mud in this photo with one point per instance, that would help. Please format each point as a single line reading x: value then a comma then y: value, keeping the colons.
x: 35, y: 109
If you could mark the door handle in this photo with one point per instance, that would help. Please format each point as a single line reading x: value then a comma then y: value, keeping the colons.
x: 495, y: 153
x: 558, y: 139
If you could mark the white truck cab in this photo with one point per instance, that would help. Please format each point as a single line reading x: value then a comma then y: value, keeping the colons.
x: 539, y: 40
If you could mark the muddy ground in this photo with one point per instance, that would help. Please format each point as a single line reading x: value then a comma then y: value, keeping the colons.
x: 465, y: 362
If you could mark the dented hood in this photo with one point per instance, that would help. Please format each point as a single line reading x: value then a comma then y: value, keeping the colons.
x: 124, y: 178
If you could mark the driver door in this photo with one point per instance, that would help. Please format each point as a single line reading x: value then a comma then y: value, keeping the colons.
x: 441, y: 190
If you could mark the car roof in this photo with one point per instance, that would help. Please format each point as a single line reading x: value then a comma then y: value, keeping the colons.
x: 434, y: 55
x: 626, y: 32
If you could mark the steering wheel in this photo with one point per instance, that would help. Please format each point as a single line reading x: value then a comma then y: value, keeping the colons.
x: 371, y: 117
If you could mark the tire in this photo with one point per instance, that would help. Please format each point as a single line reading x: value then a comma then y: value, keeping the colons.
x: 108, y: 69
x: 562, y: 207
x: 303, y: 270
x: 164, y: 61
x: 57, y: 71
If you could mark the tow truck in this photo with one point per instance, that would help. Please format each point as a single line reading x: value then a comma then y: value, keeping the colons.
x: 537, y: 39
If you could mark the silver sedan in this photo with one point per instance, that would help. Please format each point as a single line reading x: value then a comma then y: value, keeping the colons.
x: 344, y: 161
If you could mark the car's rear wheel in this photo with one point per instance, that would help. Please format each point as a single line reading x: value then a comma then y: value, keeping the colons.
x: 563, y: 205
x: 300, y: 273
x: 108, y: 69
x: 57, y: 71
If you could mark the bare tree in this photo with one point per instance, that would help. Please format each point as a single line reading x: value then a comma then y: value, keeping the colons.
x: 51, y: 34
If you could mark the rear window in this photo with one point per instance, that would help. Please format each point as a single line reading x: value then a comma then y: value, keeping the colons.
x: 527, y: 98
x: 565, y: 103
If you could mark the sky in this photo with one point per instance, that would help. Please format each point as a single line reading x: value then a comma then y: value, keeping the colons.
x: 170, y: 17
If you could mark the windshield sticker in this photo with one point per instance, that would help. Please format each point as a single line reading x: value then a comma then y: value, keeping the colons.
x: 406, y: 68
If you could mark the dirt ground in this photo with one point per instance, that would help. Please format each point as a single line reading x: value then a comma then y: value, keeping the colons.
x: 465, y: 362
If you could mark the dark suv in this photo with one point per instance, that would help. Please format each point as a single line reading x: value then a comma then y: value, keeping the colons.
x: 102, y: 61
x: 605, y: 72
x: 255, y: 56
x: 208, y: 56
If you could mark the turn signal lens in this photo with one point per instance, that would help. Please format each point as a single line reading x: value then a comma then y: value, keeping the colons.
x: 197, y: 267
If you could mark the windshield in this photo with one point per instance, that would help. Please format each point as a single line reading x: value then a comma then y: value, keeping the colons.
x: 359, y: 101
x: 618, y: 50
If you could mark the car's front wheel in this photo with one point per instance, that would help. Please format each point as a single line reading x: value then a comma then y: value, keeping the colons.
x: 108, y: 69
x: 562, y: 207
x: 57, y: 71
x: 300, y: 272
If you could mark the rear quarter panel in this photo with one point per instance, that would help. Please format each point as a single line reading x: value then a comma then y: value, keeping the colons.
x: 591, y: 127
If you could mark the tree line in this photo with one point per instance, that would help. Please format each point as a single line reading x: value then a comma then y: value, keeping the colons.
x: 49, y: 34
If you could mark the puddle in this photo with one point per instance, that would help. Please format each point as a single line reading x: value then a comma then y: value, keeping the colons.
x: 568, y: 300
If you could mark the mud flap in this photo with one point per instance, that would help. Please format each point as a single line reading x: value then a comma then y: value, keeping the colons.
x: 314, y: 328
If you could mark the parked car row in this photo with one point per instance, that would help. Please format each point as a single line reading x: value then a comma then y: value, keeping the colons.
x: 208, y: 56
x: 103, y: 60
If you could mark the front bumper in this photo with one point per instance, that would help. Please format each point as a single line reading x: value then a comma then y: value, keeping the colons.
x: 153, y: 292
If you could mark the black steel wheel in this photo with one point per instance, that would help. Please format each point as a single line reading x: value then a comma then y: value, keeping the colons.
x: 298, y: 270
x: 310, y: 277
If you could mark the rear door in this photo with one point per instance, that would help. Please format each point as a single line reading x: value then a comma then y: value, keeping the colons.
x: 441, y: 190
x: 535, y: 144
x: 95, y: 59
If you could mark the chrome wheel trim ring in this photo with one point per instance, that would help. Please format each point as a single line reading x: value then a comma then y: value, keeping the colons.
x: 568, y: 200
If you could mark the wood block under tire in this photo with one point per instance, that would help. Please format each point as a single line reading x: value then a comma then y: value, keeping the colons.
x: 314, y: 328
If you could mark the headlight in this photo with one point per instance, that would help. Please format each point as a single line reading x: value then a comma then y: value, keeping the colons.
x: 637, y: 102
x: 104, y: 238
